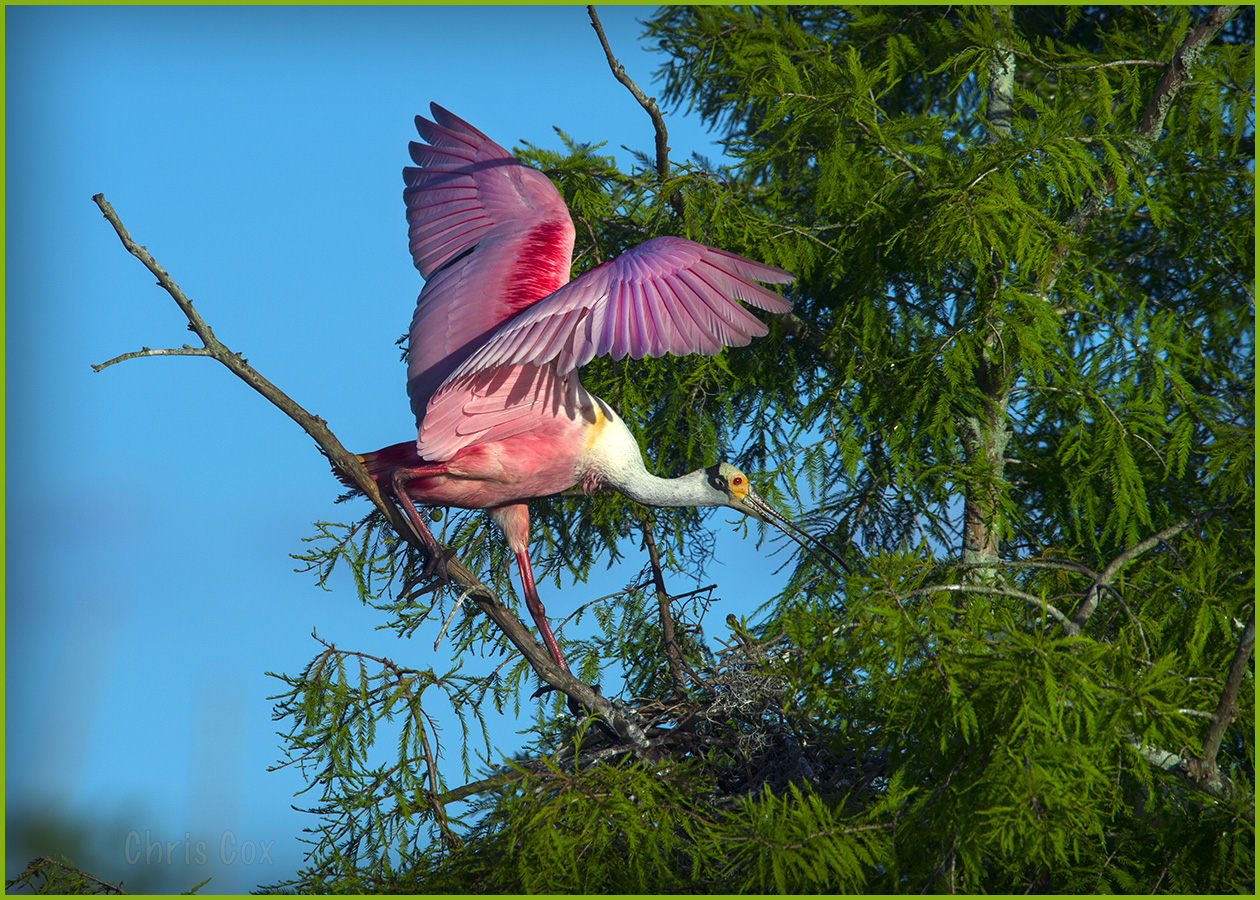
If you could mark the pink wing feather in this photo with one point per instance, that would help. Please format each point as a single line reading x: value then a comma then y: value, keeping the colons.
x: 489, y: 235
x: 499, y: 333
x: 667, y: 295
x: 498, y: 404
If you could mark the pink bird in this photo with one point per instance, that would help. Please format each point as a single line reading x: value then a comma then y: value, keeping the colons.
x: 499, y: 333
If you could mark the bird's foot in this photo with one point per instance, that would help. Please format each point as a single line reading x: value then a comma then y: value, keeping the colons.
x: 436, y: 558
x: 577, y: 709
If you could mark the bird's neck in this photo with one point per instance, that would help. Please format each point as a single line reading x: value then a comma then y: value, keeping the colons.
x: 613, y: 460
x: 642, y: 486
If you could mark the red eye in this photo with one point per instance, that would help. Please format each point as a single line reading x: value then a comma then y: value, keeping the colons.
x: 737, y: 481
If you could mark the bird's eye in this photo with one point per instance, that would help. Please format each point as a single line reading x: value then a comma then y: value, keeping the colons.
x: 737, y: 481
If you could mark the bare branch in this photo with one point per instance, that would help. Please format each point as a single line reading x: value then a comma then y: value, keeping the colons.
x: 149, y: 351
x: 1030, y: 599
x: 1225, y: 709
x: 311, y: 424
x: 626, y: 726
x: 648, y: 103
x: 1063, y: 565
x: 672, y: 651
x: 1119, y: 63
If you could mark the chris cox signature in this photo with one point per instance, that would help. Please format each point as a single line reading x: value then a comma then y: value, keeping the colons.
x: 151, y: 851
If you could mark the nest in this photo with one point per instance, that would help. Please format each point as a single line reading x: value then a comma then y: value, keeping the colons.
x: 735, y: 724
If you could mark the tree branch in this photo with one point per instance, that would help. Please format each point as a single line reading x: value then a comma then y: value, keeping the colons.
x: 1185, y: 768
x: 794, y: 323
x: 672, y: 651
x: 1170, y: 763
x: 805, y: 331
x: 1001, y: 87
x: 311, y: 424
x: 1050, y: 67
x: 61, y: 876
x: 149, y: 351
x: 1108, y: 575
x: 985, y: 432
x: 1030, y: 599
x: 1150, y: 129
x: 1225, y: 709
x: 626, y: 726
x: 648, y: 103
x: 1177, y: 71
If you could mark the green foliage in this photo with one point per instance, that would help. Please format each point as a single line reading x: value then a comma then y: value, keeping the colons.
x: 44, y: 875
x: 635, y: 830
x: 1017, y: 392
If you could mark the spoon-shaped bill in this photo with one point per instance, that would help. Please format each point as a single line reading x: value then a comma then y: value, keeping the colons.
x: 753, y: 504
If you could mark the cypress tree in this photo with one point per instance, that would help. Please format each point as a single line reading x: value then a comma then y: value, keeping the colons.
x: 1017, y: 390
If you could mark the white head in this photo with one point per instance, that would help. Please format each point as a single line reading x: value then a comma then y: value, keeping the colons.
x: 732, y: 488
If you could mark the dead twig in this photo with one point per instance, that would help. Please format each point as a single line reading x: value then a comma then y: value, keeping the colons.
x: 673, y: 653
x: 648, y: 103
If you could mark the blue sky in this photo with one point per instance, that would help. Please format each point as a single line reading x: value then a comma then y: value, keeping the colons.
x: 152, y: 508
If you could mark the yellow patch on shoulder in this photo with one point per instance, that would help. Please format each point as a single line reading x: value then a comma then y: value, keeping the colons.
x: 595, y: 429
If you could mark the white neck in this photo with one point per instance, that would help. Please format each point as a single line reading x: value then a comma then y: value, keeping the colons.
x: 614, y: 460
x: 691, y: 489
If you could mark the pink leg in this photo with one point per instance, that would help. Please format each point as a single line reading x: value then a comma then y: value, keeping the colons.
x: 536, y: 610
x: 513, y: 519
x: 540, y: 619
x: 437, y: 553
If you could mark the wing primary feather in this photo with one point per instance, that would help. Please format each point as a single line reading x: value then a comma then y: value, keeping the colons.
x: 658, y: 342
x: 559, y: 330
x: 734, y: 315
x: 732, y: 285
x: 577, y: 350
x: 636, y: 327
x: 707, y: 336
x: 608, y: 341
x: 521, y: 348
x: 751, y: 269
x: 688, y: 332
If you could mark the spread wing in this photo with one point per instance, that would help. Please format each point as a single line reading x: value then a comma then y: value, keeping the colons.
x: 668, y: 295
x: 499, y: 331
x: 490, y: 236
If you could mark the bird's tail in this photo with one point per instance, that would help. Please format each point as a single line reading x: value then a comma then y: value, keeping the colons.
x: 381, y: 463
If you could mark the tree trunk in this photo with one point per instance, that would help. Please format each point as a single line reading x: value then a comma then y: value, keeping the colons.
x: 985, y: 436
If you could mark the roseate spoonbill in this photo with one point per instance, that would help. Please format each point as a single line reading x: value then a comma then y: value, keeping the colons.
x: 499, y: 333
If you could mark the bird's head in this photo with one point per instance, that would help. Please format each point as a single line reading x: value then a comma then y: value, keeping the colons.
x: 737, y: 493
